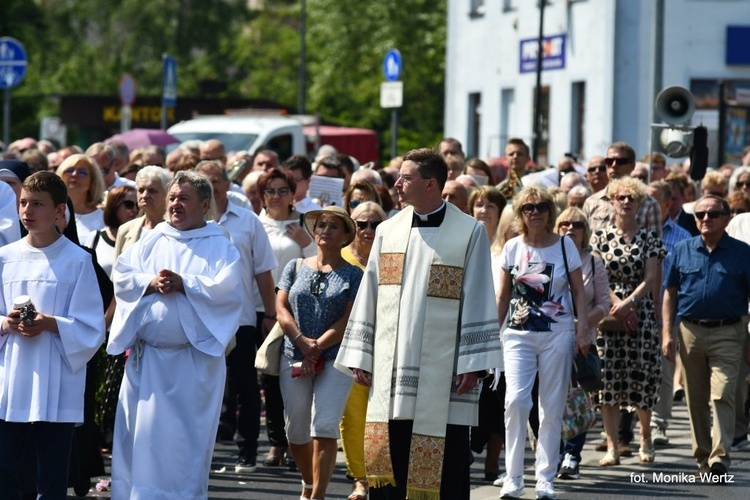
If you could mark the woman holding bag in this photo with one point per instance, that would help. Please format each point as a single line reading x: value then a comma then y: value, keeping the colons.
x: 573, y: 224
x: 313, y: 306
x: 630, y: 353
x: 541, y: 338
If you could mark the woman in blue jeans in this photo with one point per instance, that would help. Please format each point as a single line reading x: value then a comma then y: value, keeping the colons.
x: 573, y: 224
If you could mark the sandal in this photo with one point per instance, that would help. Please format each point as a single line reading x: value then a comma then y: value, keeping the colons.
x: 611, y: 458
x: 361, y: 489
x: 647, y: 453
x: 306, y: 487
x: 275, y: 457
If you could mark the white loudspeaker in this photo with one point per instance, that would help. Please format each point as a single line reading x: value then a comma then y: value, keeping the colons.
x: 675, y: 105
x: 675, y: 143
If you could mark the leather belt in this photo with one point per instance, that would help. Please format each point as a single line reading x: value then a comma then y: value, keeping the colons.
x: 713, y: 323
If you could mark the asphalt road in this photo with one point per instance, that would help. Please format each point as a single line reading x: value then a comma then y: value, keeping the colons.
x: 629, y: 480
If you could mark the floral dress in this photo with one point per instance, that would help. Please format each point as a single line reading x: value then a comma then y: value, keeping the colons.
x: 630, y: 361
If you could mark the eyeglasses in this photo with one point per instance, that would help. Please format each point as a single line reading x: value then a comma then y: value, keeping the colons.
x: 128, y: 204
x: 611, y: 162
x: 629, y: 197
x: 742, y: 184
x: 597, y: 169
x: 80, y: 172
x: 712, y: 214
x: 641, y: 178
x: 363, y: 224
x: 354, y: 204
x: 575, y: 224
x: 529, y: 208
x: 273, y: 193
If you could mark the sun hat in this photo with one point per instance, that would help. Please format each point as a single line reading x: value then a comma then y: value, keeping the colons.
x: 310, y: 218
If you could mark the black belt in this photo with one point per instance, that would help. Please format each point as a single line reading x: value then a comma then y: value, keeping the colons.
x: 713, y: 323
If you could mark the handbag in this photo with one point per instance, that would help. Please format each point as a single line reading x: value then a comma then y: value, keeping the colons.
x: 612, y: 325
x: 579, y: 415
x: 588, y: 370
x: 268, y: 357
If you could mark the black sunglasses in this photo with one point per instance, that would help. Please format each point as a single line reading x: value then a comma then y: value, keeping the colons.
x: 597, y: 168
x: 129, y: 204
x: 575, y: 224
x: 528, y: 208
x: 742, y: 184
x: 610, y: 162
x: 712, y: 214
x: 624, y: 197
x: 363, y: 224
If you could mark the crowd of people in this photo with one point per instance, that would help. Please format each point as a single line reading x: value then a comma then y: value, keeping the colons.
x: 434, y: 313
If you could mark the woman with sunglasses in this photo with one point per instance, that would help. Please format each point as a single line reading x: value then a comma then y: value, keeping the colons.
x: 289, y: 242
x: 315, y: 298
x: 573, y: 224
x: 539, y: 282
x: 121, y: 206
x: 85, y: 185
x: 630, y: 358
x: 367, y: 216
x: 359, y: 192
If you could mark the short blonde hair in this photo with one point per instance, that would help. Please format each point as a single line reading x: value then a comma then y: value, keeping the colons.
x: 576, y: 212
x: 626, y: 185
x: 714, y: 179
x: 523, y: 197
x: 506, y: 223
x: 95, y: 194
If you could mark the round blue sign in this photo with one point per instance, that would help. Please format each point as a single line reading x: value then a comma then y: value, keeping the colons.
x: 127, y: 89
x: 13, y: 62
x: 392, y: 65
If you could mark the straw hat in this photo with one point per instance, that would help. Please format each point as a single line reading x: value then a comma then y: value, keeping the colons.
x: 310, y: 218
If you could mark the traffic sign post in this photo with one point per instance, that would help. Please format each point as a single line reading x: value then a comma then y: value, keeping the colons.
x: 392, y: 92
x: 169, y: 88
x: 13, y: 63
x: 127, y: 89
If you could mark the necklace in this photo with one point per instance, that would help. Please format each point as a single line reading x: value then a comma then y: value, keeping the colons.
x: 319, y: 284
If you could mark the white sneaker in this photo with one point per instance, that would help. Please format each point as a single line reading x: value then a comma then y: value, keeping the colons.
x: 569, y: 468
x: 500, y: 479
x: 544, y: 489
x: 512, y: 488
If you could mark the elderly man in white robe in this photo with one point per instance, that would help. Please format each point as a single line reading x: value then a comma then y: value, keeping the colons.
x: 423, y: 329
x: 178, y: 307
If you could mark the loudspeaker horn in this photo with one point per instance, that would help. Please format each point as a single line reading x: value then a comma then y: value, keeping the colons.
x: 675, y: 105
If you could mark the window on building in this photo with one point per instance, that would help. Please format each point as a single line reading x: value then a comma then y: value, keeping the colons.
x: 507, y: 109
x: 476, y: 8
x: 510, y: 5
x: 475, y: 124
x: 578, y: 118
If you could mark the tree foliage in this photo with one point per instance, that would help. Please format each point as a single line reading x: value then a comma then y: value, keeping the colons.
x: 224, y: 49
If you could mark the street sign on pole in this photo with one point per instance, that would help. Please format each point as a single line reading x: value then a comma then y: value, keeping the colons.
x: 391, y: 94
x: 127, y: 89
x: 392, y: 65
x: 13, y: 62
x: 168, y: 88
x: 13, y: 65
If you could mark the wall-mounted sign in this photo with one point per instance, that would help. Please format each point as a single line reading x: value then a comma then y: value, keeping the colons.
x: 553, y: 53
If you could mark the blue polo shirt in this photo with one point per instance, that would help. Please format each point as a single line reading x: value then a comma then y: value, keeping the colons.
x: 712, y: 285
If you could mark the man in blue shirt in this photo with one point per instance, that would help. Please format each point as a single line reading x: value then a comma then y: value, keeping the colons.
x: 708, y: 285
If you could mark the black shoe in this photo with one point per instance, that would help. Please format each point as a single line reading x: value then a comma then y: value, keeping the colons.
x: 245, y: 465
x: 719, y: 470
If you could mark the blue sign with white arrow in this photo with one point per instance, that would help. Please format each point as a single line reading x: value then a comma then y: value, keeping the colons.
x: 13, y: 62
x: 392, y: 65
x: 169, y: 86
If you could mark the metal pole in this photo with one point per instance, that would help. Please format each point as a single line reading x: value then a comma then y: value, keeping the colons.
x: 163, y: 115
x: 302, y: 73
x: 722, y: 122
x: 538, y: 91
x: 394, y: 132
x: 6, y: 118
x: 658, y: 69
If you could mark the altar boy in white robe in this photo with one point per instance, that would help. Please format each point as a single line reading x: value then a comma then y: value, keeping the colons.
x: 178, y: 293
x: 423, y: 329
x: 43, y: 355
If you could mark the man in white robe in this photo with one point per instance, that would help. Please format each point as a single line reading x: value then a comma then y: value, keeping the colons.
x: 424, y: 327
x: 9, y: 229
x: 178, y: 306
x: 43, y: 363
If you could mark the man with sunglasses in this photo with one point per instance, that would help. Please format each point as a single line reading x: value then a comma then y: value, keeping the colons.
x: 707, y: 287
x: 619, y: 162
x: 596, y: 174
x: 425, y: 310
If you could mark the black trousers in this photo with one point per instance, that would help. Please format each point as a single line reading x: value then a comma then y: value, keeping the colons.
x: 243, y: 401
x: 454, y: 482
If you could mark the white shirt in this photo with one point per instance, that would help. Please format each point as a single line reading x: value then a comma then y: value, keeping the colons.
x: 10, y: 231
x: 86, y: 223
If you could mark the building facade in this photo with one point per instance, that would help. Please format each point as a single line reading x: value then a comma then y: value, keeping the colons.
x: 604, y: 62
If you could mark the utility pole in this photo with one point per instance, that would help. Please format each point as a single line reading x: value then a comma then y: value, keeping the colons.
x: 537, y: 137
x: 302, y: 71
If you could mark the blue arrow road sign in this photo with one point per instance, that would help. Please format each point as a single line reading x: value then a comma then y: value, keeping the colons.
x: 392, y: 65
x: 13, y: 62
x: 169, y: 86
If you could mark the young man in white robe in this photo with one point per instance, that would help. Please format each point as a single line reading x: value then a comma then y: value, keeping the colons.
x: 43, y: 359
x: 177, y: 309
x: 423, y: 330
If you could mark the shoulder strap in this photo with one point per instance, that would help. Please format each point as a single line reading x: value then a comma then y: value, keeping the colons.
x: 96, y: 239
x: 567, y: 274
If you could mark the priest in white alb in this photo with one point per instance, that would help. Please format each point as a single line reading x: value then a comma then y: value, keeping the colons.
x: 422, y: 332
x: 178, y: 293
